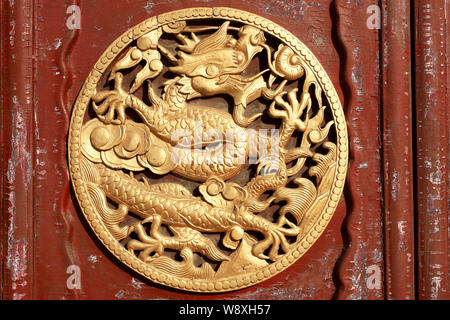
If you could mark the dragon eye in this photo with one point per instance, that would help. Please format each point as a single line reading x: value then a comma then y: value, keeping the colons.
x: 212, y: 70
x: 254, y: 40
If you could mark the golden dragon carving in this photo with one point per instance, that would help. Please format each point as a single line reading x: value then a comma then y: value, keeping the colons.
x: 135, y: 133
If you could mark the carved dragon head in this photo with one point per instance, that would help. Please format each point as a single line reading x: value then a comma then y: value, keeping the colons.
x: 220, y: 54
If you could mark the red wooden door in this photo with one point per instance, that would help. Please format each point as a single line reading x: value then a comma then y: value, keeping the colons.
x: 388, y: 238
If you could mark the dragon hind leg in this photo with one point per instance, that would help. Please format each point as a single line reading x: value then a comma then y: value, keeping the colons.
x: 152, y: 245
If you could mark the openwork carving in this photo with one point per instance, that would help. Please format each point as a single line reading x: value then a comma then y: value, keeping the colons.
x: 208, y: 149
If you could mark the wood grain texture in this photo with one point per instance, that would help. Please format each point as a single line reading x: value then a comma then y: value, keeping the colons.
x: 432, y: 148
x: 2, y: 147
x: 360, y: 271
x: 18, y: 145
x: 396, y: 91
x: 56, y: 236
x: 447, y: 65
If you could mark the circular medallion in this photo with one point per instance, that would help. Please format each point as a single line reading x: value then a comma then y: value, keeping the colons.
x: 208, y: 149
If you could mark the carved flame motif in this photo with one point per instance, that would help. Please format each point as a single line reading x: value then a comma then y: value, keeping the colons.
x: 159, y: 177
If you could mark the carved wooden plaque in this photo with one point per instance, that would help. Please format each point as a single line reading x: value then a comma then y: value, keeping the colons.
x: 208, y: 149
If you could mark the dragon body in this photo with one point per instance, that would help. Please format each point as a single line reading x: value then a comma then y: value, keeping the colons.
x: 173, y: 205
x: 209, y: 67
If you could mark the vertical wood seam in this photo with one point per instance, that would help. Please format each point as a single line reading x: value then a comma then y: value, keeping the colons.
x: 2, y: 138
x: 65, y: 87
x: 397, y: 164
x: 432, y: 150
x: 362, y: 248
x: 17, y: 196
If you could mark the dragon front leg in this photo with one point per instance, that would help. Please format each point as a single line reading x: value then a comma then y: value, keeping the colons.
x: 274, y: 235
x: 275, y: 238
x: 110, y: 105
x: 107, y: 104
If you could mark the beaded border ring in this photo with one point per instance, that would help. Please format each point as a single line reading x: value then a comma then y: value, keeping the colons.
x: 80, y: 188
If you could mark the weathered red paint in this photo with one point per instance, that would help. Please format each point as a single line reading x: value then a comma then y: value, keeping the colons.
x: 17, y: 141
x: 432, y: 148
x: 397, y: 150
x: 360, y: 270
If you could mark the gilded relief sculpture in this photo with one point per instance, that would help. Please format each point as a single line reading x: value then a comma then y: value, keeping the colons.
x: 192, y: 194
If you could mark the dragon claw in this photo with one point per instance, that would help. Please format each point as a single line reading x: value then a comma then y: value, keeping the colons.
x: 275, y: 239
x: 113, y: 102
x: 262, y: 256
x: 149, y: 250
